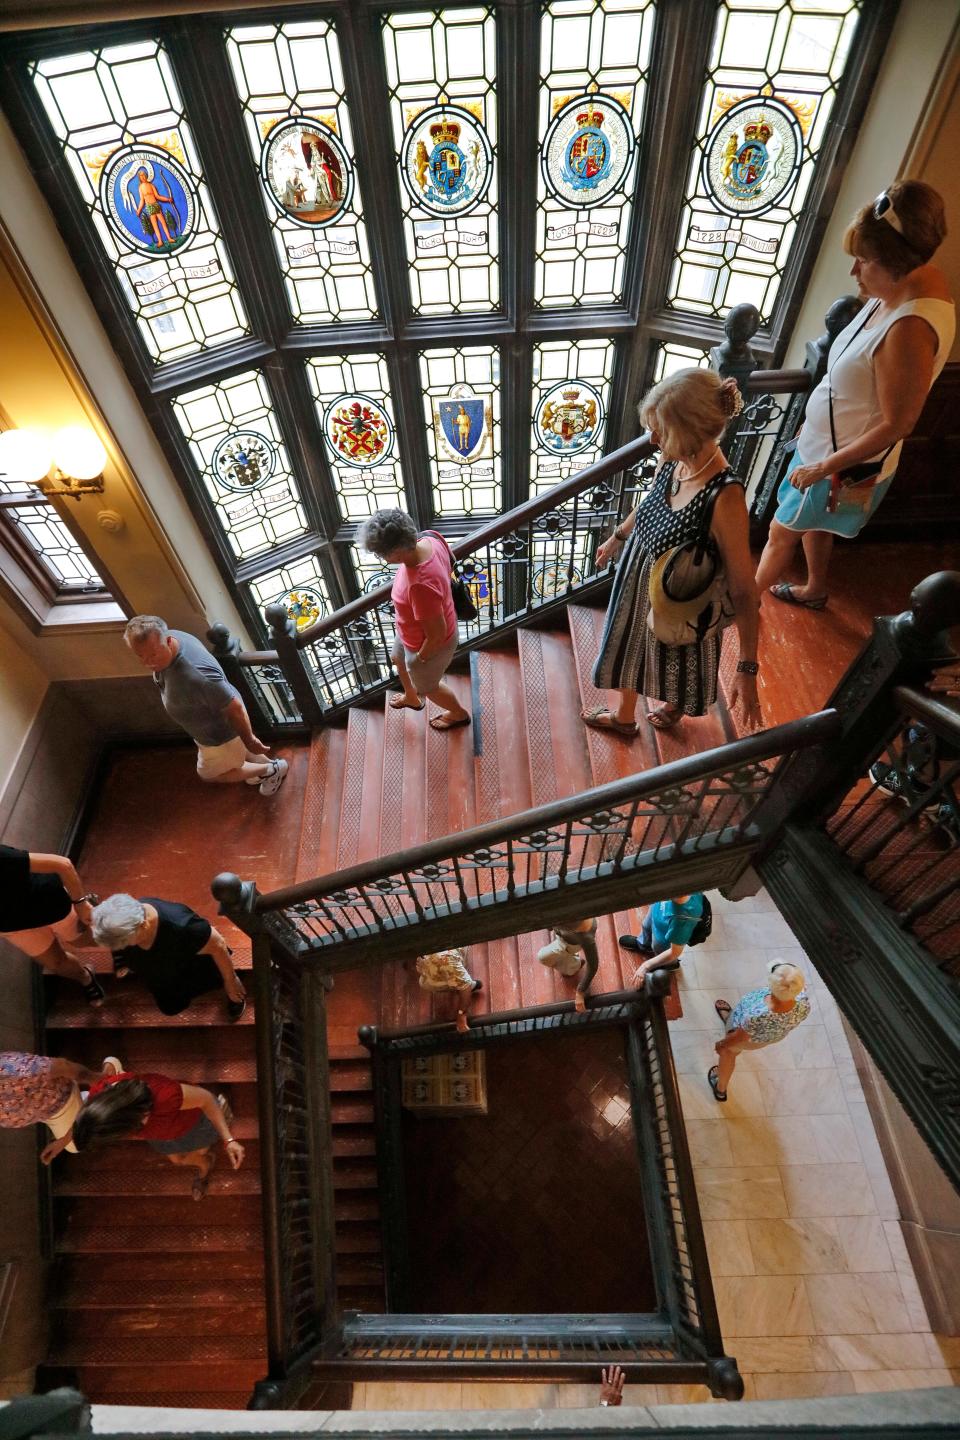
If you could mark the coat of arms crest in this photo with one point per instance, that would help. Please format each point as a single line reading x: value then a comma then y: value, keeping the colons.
x: 463, y: 423
x: 752, y: 156
x: 446, y: 160
x: 358, y: 430
x: 587, y: 150
x: 244, y: 460
x: 568, y: 417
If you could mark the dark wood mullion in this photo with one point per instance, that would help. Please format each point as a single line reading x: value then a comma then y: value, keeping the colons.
x: 300, y: 426
x: 860, y: 73
x: 197, y: 49
x: 368, y: 96
x: 406, y: 388
x: 516, y: 399
x: 516, y: 155
x: 678, y: 63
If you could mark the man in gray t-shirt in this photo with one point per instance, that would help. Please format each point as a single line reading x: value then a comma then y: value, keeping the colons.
x: 199, y: 697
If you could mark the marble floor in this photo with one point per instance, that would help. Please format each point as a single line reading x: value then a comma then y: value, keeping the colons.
x: 814, y: 1286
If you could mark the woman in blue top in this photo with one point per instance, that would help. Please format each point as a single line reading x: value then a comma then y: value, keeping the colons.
x: 668, y: 926
x: 761, y: 1018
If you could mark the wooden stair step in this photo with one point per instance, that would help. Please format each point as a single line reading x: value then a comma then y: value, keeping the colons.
x: 226, y: 1055
x: 359, y: 1272
x: 350, y: 1111
x: 347, y: 1206
x: 186, y: 1400
x: 353, y: 1174
x: 164, y: 1293
x: 343, y: 1146
x: 77, y: 1341
x: 320, y: 822
x: 129, y: 1006
x: 162, y: 1351
x: 87, y: 1239
x: 240, y: 944
x: 402, y: 826
x: 71, y: 1180
x: 167, y: 1384
x: 359, y: 832
x: 92, y: 1275
x: 350, y: 1075
x: 156, y: 1211
x: 341, y: 1055
x: 367, y: 1302
x: 359, y: 1240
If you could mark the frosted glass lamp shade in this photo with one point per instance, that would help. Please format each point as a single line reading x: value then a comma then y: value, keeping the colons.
x: 24, y: 457
x: 78, y: 452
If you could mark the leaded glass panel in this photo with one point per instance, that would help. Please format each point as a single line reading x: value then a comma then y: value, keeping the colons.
x: 772, y: 85
x: 119, y: 119
x: 671, y: 356
x: 461, y: 405
x: 235, y: 440
x: 441, y: 71
x: 571, y: 386
x: 290, y: 83
x: 594, y: 61
x: 299, y: 586
x: 352, y: 396
x: 49, y: 539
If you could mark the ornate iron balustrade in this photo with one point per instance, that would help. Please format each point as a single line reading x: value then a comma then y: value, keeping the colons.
x: 528, y: 561
x: 678, y: 1341
x: 699, y: 818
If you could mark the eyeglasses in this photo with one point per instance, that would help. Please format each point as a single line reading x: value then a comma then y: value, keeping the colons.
x: 883, y: 210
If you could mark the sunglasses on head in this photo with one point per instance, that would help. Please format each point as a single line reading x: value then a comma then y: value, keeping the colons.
x: 883, y: 209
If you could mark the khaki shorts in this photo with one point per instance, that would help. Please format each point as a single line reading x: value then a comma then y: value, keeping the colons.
x: 425, y: 675
x: 38, y: 942
x: 216, y: 760
x: 62, y: 1122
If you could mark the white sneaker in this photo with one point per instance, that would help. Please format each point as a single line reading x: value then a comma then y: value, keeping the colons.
x: 272, y: 781
x: 112, y: 1065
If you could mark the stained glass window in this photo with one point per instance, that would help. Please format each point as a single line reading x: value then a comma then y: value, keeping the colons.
x: 441, y: 70
x: 571, y: 385
x: 355, y: 413
x: 299, y: 586
x: 772, y: 84
x: 118, y: 116
x: 594, y: 61
x: 461, y: 405
x: 290, y: 83
x: 239, y: 452
x: 671, y: 356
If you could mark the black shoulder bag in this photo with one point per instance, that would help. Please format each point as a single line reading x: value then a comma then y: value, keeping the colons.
x: 459, y: 589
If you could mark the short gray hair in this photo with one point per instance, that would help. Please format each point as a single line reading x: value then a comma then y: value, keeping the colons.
x: 115, y: 920
x: 786, y: 980
x: 142, y: 626
x: 387, y: 531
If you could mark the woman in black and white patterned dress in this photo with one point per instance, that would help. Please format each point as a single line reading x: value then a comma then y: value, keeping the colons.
x: 686, y: 415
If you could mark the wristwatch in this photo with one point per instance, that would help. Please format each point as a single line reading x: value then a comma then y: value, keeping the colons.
x: 90, y: 899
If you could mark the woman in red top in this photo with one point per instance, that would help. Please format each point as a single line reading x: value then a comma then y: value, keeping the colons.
x: 426, y: 620
x: 182, y: 1122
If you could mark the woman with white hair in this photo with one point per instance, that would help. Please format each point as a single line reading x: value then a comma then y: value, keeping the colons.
x: 169, y: 947
x: 762, y: 1017
x: 654, y: 642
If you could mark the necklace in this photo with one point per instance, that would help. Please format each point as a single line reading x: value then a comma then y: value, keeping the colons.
x: 675, y: 483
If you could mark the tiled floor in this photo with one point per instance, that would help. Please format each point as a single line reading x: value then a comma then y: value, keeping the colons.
x: 814, y: 1287
x: 509, y: 1190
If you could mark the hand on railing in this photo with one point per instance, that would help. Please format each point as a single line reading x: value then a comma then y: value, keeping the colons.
x: 611, y: 1385
x: 609, y: 550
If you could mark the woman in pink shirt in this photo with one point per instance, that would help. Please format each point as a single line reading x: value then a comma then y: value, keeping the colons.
x: 426, y: 620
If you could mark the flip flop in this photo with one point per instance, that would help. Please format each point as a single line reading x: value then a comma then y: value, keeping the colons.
x: 437, y: 723
x: 594, y: 719
x: 723, y: 1009
x: 785, y: 594
x: 713, y: 1076
x: 400, y: 704
x: 665, y: 718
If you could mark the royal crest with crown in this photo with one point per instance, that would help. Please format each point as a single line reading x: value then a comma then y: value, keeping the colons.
x: 752, y: 155
x: 446, y: 160
x: 587, y: 150
x: 750, y: 163
x: 588, y: 153
x: 568, y: 417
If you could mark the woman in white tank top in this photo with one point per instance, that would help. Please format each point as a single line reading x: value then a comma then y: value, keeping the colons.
x: 880, y: 370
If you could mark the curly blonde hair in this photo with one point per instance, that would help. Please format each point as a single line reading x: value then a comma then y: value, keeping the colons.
x: 688, y: 409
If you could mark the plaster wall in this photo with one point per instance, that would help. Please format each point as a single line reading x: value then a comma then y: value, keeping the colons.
x: 911, y: 129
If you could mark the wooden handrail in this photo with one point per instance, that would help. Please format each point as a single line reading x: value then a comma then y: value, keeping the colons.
x: 761, y: 382
x: 800, y: 734
x: 373, y: 1035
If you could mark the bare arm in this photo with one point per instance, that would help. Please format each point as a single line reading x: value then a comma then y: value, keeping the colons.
x: 196, y: 1098
x: 219, y: 951
x: 60, y: 866
x: 731, y: 531
x: 70, y: 1070
x: 434, y: 636
x: 236, y: 714
x: 611, y: 545
x: 903, y: 369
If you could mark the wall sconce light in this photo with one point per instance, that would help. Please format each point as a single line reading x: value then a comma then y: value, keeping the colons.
x: 74, y: 453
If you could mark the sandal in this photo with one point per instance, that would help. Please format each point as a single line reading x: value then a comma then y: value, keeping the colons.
x: 400, y: 703
x: 199, y: 1185
x: 713, y: 1076
x: 723, y: 1009
x: 785, y: 593
x: 438, y: 723
x: 604, y: 719
x: 665, y: 718
x: 93, y: 991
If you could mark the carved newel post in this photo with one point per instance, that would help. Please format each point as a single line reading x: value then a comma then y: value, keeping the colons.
x: 283, y: 635
x: 837, y: 318
x: 735, y: 357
